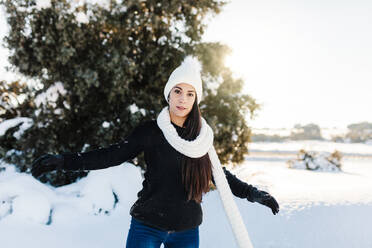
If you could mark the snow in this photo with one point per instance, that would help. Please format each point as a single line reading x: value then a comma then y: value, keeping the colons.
x: 37, y: 212
x: 162, y: 40
x: 103, y: 3
x: 41, y: 4
x: 299, y: 188
x: 51, y: 95
x: 317, y: 209
x: 105, y: 124
x: 28, y: 198
x: 323, y: 161
x: 133, y: 108
x: 9, y: 123
x: 81, y: 17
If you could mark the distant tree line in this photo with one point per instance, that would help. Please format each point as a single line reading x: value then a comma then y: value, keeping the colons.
x: 298, y: 132
x: 357, y: 133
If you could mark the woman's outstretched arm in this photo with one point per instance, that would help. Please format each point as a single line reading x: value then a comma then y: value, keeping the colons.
x: 244, y: 190
x: 102, y: 158
x: 238, y: 188
x: 113, y: 155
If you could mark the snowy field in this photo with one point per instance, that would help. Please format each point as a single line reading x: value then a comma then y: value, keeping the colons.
x: 317, y: 209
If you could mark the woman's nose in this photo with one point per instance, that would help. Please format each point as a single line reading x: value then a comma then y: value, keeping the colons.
x: 182, y: 97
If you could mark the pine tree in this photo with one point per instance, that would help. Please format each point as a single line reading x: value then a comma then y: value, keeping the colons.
x: 101, y: 69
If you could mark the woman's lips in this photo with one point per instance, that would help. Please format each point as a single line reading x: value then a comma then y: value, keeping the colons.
x: 180, y: 108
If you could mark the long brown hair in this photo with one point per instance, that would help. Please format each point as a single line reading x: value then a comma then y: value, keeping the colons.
x: 196, y: 172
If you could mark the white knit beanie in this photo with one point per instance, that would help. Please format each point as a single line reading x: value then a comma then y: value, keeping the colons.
x: 188, y: 72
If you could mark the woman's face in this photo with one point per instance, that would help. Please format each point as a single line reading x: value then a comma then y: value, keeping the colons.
x: 181, y: 99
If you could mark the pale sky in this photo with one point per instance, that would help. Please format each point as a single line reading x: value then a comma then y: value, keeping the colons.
x: 305, y: 60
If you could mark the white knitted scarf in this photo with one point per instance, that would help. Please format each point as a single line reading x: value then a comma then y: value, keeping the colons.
x: 197, y: 148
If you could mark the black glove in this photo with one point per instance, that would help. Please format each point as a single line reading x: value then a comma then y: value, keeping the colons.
x: 264, y: 198
x: 46, y: 163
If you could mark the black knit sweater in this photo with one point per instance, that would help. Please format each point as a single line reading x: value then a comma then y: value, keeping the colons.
x: 162, y: 202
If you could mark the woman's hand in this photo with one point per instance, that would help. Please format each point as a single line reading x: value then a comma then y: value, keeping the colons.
x: 46, y: 163
x: 266, y: 199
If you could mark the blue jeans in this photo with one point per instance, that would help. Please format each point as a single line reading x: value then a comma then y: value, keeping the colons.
x: 143, y: 236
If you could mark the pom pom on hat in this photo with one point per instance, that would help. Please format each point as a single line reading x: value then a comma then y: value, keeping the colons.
x: 188, y: 72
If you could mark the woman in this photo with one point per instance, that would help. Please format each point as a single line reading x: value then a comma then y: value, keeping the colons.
x: 168, y: 207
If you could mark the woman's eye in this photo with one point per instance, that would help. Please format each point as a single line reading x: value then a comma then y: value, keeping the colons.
x: 177, y: 91
x: 191, y: 94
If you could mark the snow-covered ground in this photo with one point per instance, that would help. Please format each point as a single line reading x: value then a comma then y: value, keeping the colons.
x: 317, y: 209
